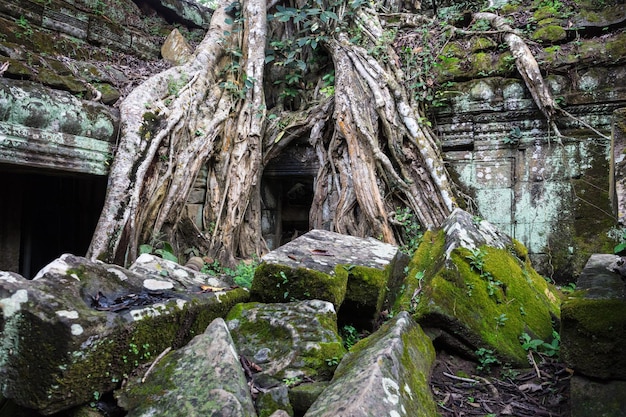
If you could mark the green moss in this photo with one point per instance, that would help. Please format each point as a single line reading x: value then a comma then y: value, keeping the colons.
x: 416, y: 345
x: 616, y: 48
x: 459, y: 292
x: 367, y: 286
x: 275, y: 283
x: 482, y: 43
x: 595, y: 317
x: 423, y: 263
x: 322, y: 362
x: 481, y: 62
x: 549, y: 34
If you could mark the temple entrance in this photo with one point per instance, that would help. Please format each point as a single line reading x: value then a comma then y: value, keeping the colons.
x: 287, y: 194
x: 45, y: 214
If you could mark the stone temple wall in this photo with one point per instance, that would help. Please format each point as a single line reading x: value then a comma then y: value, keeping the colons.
x: 552, y: 194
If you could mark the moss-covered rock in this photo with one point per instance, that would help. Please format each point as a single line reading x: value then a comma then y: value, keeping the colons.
x: 477, y: 286
x: 593, y: 326
x: 79, y: 327
x: 347, y: 271
x: 549, y: 34
x: 385, y: 374
x: 290, y: 340
x: 204, y: 378
x: 591, y: 397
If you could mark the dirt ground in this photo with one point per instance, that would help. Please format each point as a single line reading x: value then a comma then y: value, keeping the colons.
x: 459, y: 389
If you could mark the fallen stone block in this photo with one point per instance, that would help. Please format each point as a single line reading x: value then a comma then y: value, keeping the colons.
x: 593, y: 320
x: 296, y: 340
x: 79, y: 327
x: 347, y: 271
x: 386, y: 374
x: 597, y: 398
x: 471, y: 287
x: 204, y: 378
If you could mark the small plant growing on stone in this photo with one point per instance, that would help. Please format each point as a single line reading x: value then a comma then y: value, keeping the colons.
x: 292, y: 382
x: 501, y: 320
x: 25, y: 29
x: 332, y: 362
x: 486, y: 359
x: 410, y: 229
x: 160, y: 248
x: 350, y: 336
x: 243, y: 274
x: 539, y: 346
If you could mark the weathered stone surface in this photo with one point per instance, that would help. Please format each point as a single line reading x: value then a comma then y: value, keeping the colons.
x: 618, y: 162
x: 593, y: 321
x: 273, y: 399
x: 204, y: 378
x: 303, y: 396
x: 594, y: 398
x: 41, y: 127
x: 386, y: 374
x: 477, y: 286
x: 190, y: 12
x: 290, y: 340
x: 176, y: 49
x: 348, y: 271
x: 80, y: 326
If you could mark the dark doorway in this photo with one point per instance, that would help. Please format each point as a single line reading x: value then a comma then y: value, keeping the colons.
x: 43, y: 215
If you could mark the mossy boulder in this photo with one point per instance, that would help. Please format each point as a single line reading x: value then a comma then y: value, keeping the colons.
x: 593, y: 326
x: 80, y: 326
x: 347, y: 271
x: 474, y: 287
x: 387, y: 373
x: 288, y: 340
x: 591, y: 397
x: 549, y: 34
x: 204, y: 378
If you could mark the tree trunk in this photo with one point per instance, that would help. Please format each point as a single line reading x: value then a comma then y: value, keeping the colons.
x: 375, y: 156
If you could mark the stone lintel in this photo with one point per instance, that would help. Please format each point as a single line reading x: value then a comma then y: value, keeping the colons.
x: 32, y: 147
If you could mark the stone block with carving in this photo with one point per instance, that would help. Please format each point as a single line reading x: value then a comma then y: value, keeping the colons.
x: 288, y: 340
x: 79, y: 326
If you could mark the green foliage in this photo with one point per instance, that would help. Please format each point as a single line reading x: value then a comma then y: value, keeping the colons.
x: 175, y: 85
x: 477, y: 263
x: 350, y: 336
x: 243, y: 274
x: 292, y: 382
x: 329, y: 84
x: 486, y: 359
x: 501, y: 320
x: 25, y: 29
x: 410, y: 230
x: 539, y: 346
x: 160, y: 248
x: 332, y: 362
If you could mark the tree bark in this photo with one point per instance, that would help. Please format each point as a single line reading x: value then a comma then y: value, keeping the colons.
x: 374, y: 155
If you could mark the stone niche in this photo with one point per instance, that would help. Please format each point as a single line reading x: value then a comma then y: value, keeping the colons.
x: 287, y: 194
